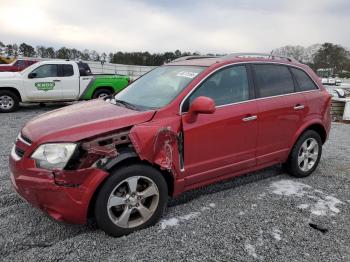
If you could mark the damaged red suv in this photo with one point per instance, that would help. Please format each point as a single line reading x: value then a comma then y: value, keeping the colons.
x: 181, y: 126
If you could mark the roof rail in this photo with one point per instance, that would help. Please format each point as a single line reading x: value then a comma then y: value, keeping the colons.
x: 191, y: 57
x: 261, y: 55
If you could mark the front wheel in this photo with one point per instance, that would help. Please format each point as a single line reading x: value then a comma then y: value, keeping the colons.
x: 305, y: 154
x: 9, y: 102
x: 133, y: 197
x: 102, y: 93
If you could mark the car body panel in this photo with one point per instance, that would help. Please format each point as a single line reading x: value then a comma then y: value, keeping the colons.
x: 114, y: 82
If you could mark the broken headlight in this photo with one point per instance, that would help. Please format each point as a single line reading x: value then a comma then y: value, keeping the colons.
x: 53, y: 156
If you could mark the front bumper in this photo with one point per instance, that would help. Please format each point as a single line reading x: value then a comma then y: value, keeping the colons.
x: 63, y: 195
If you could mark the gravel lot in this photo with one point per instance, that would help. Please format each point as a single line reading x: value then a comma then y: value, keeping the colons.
x: 264, y: 215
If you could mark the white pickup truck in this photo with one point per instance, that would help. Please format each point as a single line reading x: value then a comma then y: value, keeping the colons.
x: 50, y: 81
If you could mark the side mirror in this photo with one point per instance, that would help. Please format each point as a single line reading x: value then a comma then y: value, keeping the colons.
x: 32, y: 75
x: 201, y: 105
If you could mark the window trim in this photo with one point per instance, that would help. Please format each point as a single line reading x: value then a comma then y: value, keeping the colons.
x: 57, y: 70
x: 249, y: 64
x: 251, y: 89
x: 297, y: 86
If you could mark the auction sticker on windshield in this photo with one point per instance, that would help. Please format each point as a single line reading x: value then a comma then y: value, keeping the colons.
x: 45, y: 86
x: 187, y: 74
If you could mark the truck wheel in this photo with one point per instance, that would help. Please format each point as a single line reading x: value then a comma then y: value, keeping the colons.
x: 8, y: 101
x: 102, y: 93
x: 305, y: 154
x: 133, y: 197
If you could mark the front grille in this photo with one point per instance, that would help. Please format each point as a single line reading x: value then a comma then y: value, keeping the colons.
x: 19, y: 152
x: 26, y: 139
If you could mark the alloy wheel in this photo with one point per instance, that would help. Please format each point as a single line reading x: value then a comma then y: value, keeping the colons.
x: 133, y: 201
x: 308, y: 154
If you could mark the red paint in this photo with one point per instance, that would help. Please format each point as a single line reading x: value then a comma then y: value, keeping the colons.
x: 17, y: 66
x: 217, y: 143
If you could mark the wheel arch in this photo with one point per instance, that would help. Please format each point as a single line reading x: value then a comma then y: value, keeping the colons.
x: 14, y: 90
x: 125, y: 159
x: 108, y: 87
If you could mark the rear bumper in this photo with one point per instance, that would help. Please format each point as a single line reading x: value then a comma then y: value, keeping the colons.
x: 64, y: 195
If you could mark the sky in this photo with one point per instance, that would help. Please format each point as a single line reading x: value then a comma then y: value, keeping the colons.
x: 205, y: 26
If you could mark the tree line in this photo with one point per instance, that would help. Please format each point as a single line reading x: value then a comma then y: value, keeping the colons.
x: 128, y: 58
x: 326, y: 56
x: 335, y: 58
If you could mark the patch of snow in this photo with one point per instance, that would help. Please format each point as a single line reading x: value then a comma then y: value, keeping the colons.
x: 326, y: 206
x: 164, y: 223
x: 276, y: 233
x: 174, y: 221
x: 250, y: 250
x: 190, y: 216
x: 289, y: 188
x: 261, y: 196
x: 321, y: 204
x: 303, y: 206
x: 205, y: 208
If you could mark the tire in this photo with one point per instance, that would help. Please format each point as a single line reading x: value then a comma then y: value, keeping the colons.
x: 305, y: 155
x: 9, y: 101
x: 118, y: 211
x: 101, y: 93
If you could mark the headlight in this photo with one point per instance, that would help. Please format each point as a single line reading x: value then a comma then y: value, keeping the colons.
x: 52, y: 156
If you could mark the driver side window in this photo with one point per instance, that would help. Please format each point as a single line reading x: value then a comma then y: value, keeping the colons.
x: 45, y: 71
x: 227, y: 86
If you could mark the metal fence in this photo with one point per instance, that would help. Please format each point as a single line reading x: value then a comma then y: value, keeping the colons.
x: 134, y: 71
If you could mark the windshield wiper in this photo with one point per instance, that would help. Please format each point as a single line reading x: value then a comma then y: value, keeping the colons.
x: 126, y: 104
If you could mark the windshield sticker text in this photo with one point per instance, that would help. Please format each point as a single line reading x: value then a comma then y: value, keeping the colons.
x: 187, y: 74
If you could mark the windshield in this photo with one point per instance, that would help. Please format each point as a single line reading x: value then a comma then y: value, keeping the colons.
x: 159, y: 87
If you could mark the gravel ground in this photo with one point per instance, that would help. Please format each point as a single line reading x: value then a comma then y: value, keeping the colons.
x: 264, y: 215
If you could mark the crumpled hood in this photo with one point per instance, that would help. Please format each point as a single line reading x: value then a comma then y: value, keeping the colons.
x: 82, y: 120
x: 9, y: 75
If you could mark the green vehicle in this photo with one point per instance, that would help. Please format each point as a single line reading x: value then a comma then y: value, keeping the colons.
x: 51, y: 81
x: 102, y: 85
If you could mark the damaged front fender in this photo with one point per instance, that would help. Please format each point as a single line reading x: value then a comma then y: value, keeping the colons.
x: 159, y: 143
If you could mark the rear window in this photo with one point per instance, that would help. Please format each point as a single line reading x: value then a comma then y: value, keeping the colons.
x: 273, y: 80
x: 67, y: 70
x: 304, y: 81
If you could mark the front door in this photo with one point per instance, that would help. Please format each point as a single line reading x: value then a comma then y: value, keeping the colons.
x: 45, y: 84
x: 223, y: 142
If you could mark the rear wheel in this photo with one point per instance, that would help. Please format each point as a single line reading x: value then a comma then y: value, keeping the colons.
x: 133, y: 197
x: 8, y: 101
x: 102, y: 93
x: 305, y: 154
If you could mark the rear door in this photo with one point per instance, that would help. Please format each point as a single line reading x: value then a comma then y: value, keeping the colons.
x: 223, y: 142
x: 281, y: 111
x: 46, y: 84
x: 69, y: 77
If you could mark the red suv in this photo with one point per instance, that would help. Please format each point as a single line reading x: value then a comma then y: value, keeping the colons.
x: 183, y: 125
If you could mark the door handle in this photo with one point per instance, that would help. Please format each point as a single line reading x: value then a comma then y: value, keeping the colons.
x: 299, y: 107
x: 57, y: 80
x: 249, y: 118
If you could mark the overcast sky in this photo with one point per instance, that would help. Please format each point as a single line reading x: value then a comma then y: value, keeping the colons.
x: 220, y: 26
